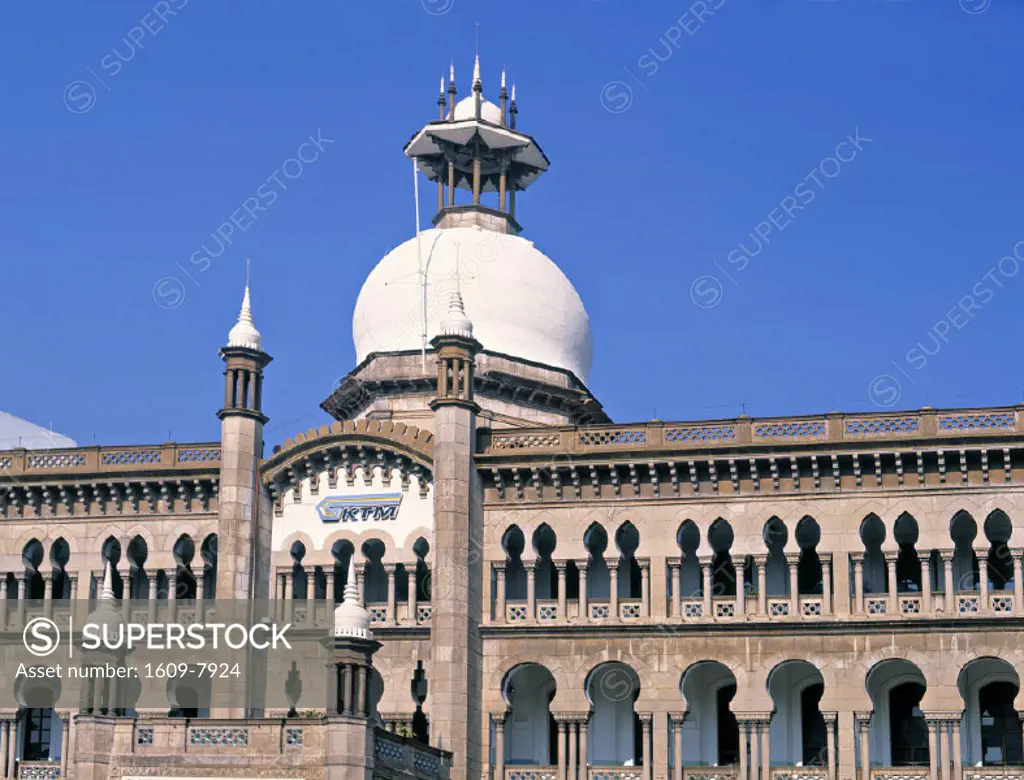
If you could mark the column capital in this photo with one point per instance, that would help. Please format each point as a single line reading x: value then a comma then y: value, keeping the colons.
x: 942, y: 717
x: 646, y: 719
x: 530, y: 565
x: 498, y: 565
x: 792, y: 558
x: 612, y: 564
x: 560, y: 566
x: 825, y: 559
x: 706, y: 560
x: 674, y: 563
x: 946, y: 555
x: 863, y: 718
x: 890, y: 557
x: 857, y: 557
x: 389, y: 568
x: 760, y: 559
x: 1017, y: 553
x: 677, y: 718
x: 644, y: 564
x: 583, y: 564
x: 498, y: 719
x: 830, y: 717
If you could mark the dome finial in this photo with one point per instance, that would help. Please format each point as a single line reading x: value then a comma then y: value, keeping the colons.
x: 351, y: 618
x: 456, y: 322
x: 244, y: 333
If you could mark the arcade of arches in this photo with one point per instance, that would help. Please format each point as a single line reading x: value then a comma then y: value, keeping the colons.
x: 705, y: 729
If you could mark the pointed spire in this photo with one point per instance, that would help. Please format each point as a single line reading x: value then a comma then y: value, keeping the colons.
x: 503, y: 78
x: 476, y: 74
x: 442, y: 85
x: 351, y: 588
x: 457, y: 322
x: 244, y: 334
x: 107, y: 594
x: 451, y: 74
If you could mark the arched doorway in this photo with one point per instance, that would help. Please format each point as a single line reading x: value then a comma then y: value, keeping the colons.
x: 798, y: 734
x: 531, y: 734
x: 711, y: 735
x: 615, y: 736
x: 991, y: 726
x: 899, y: 734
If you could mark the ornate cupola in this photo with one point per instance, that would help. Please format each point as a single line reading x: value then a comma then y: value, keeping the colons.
x: 245, y: 360
x: 475, y: 146
x: 456, y: 357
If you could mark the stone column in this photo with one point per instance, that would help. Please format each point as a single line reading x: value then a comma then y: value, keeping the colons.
x: 705, y: 571
x: 950, y: 591
x: 760, y: 560
x: 346, y: 689
x: 360, y: 581
x: 583, y: 566
x: 982, y: 579
x: 646, y: 752
x: 830, y: 744
x: 499, y: 598
x: 21, y: 599
x: 744, y: 741
x: 499, y: 745
x: 561, y: 748
x: 645, y: 588
x: 3, y: 614
x: 3, y: 747
x: 926, y: 582
x: 613, y: 575
x: 200, y: 584
x: 413, y: 619
x: 945, y: 744
x: 741, y: 590
x: 958, y: 763
x: 677, y: 597
x: 1018, y: 582
x: 389, y: 569
x: 766, y: 748
x: 574, y: 728
x: 329, y: 589
x: 846, y: 730
x: 531, y: 589
x: 864, y: 726
x: 858, y: 582
x: 563, y: 607
x: 890, y: 565
x: 12, y: 748
x: 793, y: 561
x: 289, y: 596
x: 659, y: 747
x: 172, y: 596
x: 48, y: 594
x: 150, y: 597
x: 677, y: 747
x: 933, y: 752
x: 826, y: 585
x: 584, y: 749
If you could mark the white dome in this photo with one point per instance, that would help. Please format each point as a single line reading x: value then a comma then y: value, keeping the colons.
x: 466, y: 109
x: 520, y: 303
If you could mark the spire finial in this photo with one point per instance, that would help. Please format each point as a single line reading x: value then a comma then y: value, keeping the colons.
x: 476, y: 73
x: 107, y: 594
x: 351, y: 589
x: 451, y: 73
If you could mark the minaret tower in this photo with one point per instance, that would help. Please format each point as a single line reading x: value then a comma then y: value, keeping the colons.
x: 475, y: 146
x: 243, y: 532
x: 456, y: 658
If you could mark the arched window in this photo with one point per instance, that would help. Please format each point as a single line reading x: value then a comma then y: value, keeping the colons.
x: 37, y: 727
x: 908, y: 563
x: 723, y: 571
x: 808, y: 571
x: 999, y: 725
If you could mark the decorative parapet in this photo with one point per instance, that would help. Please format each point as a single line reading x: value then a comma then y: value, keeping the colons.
x: 923, y: 425
x: 37, y: 464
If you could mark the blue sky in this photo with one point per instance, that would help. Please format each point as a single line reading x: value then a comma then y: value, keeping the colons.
x: 677, y: 135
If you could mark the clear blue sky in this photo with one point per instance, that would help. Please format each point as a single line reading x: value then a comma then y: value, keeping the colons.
x: 96, y: 206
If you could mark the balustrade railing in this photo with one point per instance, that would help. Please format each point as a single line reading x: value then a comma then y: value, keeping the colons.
x: 798, y: 773
x: 40, y: 770
x: 630, y: 609
x: 615, y: 773
x: 710, y: 772
x: 994, y: 773
x: 531, y: 773
x: 900, y: 773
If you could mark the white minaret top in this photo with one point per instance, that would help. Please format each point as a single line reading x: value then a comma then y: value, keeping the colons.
x: 457, y: 323
x: 107, y: 594
x: 350, y: 618
x: 244, y: 334
x: 106, y: 613
x: 476, y: 71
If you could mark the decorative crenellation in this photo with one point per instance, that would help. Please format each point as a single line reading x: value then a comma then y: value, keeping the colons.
x: 109, y: 460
